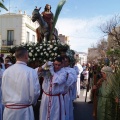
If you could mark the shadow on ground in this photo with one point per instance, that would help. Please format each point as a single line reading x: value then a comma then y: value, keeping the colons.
x: 83, y: 111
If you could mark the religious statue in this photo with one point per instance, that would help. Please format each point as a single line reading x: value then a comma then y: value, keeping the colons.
x: 45, y: 19
x: 48, y: 16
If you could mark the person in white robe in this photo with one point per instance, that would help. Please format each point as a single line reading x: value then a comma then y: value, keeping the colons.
x: 78, y: 78
x: 20, y: 88
x: 1, y: 105
x: 71, y: 79
x: 74, y: 87
x: 52, y: 103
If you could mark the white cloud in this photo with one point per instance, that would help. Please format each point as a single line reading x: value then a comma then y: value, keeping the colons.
x: 82, y: 32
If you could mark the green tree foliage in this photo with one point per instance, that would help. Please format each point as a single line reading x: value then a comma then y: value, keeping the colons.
x: 2, y: 5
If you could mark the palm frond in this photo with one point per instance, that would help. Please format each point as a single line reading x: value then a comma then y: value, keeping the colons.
x: 58, y: 10
x: 2, y: 6
x: 114, y: 83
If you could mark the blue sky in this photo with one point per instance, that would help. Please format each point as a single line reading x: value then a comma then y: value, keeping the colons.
x: 79, y: 19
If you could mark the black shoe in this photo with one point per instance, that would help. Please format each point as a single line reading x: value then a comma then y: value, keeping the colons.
x: 82, y: 87
x: 90, y: 102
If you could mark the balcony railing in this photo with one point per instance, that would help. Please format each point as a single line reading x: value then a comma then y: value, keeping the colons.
x: 8, y: 43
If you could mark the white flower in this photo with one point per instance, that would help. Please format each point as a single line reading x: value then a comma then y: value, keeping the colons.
x: 52, y: 54
x: 41, y: 47
x: 58, y: 55
x: 55, y: 48
x: 50, y: 51
x: 48, y: 48
x: 55, y: 54
x: 44, y: 60
x: 50, y: 58
x: 46, y: 54
x: 58, y: 40
x: 49, y: 41
x: 35, y: 54
x: 51, y: 46
x: 31, y: 50
x: 53, y: 40
x: 41, y: 53
x: 44, y: 44
x: 48, y: 44
x: 38, y: 50
x: 33, y: 58
x: 30, y: 54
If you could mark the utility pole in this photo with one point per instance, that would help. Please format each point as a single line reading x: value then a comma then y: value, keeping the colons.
x: 9, y: 6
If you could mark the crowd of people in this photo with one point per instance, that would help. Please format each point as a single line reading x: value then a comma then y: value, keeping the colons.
x: 20, y: 88
x: 104, y: 96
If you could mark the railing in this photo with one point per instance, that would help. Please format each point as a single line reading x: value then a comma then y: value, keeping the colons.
x: 8, y: 43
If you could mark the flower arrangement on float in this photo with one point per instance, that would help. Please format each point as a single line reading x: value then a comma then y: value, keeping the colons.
x: 45, y: 51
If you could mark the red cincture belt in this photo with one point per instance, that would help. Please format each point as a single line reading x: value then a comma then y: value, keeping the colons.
x: 51, y: 94
x: 17, y: 106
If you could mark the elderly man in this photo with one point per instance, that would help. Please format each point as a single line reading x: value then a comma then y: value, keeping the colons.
x: 20, y: 88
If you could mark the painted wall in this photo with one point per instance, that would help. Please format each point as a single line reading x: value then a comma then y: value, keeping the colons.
x: 21, y: 24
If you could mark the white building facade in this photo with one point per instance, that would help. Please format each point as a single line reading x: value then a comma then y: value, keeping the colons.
x: 81, y: 56
x: 16, y: 29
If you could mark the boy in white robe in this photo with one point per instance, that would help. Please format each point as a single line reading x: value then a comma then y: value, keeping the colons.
x: 52, y: 104
x: 20, y: 88
x: 78, y: 78
x: 74, y: 90
x: 71, y: 79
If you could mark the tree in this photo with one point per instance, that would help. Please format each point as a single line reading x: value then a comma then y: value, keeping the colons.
x: 2, y: 5
x: 112, y: 29
x: 98, y: 50
x: 102, y: 47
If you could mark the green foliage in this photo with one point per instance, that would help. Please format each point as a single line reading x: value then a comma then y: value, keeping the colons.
x: 116, y: 52
x: 114, y: 85
x: 71, y: 53
x: 58, y: 10
x: 2, y: 5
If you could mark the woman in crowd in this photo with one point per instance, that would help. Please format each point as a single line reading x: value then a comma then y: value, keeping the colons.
x: 106, y: 100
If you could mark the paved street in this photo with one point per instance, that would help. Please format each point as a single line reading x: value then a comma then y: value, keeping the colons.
x: 82, y: 110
